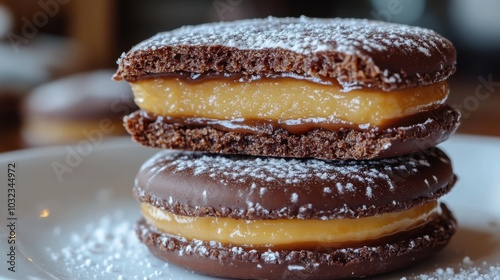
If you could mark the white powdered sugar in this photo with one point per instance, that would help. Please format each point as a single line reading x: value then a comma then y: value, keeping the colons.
x: 296, y: 267
x: 369, y: 193
x: 270, y: 256
x: 259, y: 172
x: 314, y: 37
x: 310, y: 47
x: 466, y: 270
x: 303, y: 35
x: 106, y: 249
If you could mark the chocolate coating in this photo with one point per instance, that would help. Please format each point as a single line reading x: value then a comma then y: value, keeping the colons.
x: 379, y: 256
x: 357, y: 53
x: 245, y: 187
x: 411, y: 135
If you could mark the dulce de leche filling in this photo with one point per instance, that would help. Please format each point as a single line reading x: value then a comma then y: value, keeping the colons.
x: 282, y: 99
x: 287, y: 233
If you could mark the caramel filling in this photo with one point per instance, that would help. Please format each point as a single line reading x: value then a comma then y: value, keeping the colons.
x: 287, y: 232
x: 282, y: 99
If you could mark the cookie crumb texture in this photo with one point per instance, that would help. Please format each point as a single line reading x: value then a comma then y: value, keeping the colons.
x: 356, y: 52
x: 151, y: 130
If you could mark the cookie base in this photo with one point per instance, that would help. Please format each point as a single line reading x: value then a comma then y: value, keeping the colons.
x: 380, y: 256
x: 345, y: 143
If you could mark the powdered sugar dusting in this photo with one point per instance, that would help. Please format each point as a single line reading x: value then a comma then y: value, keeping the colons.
x: 107, y: 249
x: 369, y: 193
x: 359, y: 38
x: 305, y: 188
x: 295, y: 267
x: 302, y: 35
x: 338, y: 176
x: 264, y: 175
x: 465, y: 271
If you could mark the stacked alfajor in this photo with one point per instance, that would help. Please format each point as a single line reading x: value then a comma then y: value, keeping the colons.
x: 309, y: 146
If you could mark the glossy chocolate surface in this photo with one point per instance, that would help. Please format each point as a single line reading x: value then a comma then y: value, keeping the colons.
x: 246, y: 187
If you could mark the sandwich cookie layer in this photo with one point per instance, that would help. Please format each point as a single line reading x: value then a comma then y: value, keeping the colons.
x: 243, y: 210
x: 316, y: 81
x: 294, y: 139
x: 354, y: 52
x: 384, y: 255
x: 256, y: 188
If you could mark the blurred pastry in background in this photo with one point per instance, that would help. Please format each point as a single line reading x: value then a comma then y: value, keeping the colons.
x: 83, y: 106
x: 26, y: 62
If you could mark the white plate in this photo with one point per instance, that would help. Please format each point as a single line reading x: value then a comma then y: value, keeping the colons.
x: 73, y: 241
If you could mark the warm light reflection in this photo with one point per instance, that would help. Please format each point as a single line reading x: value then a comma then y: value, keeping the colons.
x: 45, y: 213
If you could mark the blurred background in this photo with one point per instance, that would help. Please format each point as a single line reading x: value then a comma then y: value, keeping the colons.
x: 47, y: 42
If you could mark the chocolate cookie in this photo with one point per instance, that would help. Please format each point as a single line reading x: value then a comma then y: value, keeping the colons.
x: 314, y: 146
x: 356, y: 52
x: 280, y: 217
x: 244, y: 187
x: 292, y: 87
x: 228, y: 137
x: 395, y: 252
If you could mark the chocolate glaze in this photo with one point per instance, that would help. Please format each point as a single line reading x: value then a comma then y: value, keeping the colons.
x: 404, y: 136
x: 245, y: 187
x: 385, y: 255
x: 356, y: 53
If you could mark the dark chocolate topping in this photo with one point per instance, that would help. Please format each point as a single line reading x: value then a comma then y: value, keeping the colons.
x: 212, y: 258
x: 408, y: 135
x: 246, y: 187
x: 355, y: 52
